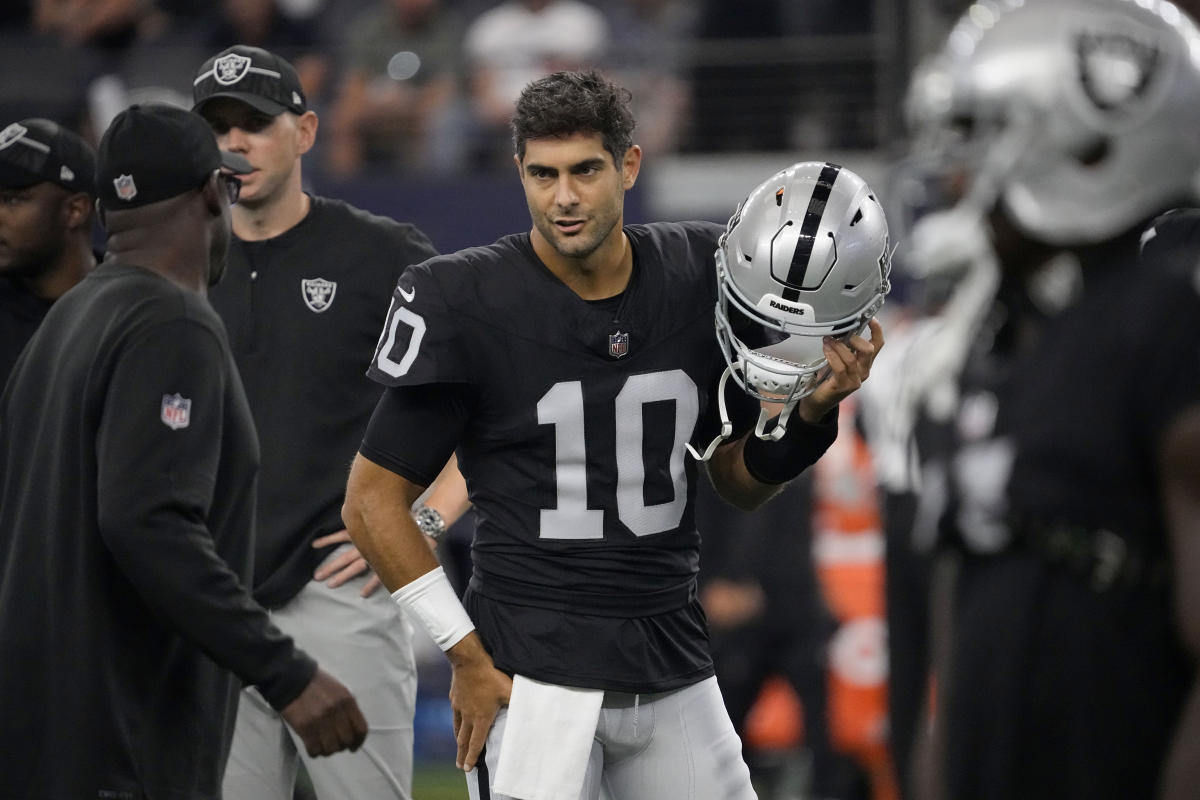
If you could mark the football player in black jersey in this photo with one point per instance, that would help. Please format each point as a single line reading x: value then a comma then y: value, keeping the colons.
x: 572, y: 367
x: 1063, y: 486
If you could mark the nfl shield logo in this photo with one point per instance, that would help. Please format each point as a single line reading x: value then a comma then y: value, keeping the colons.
x: 618, y: 344
x: 176, y: 411
x: 318, y: 293
x: 126, y: 188
x: 230, y: 69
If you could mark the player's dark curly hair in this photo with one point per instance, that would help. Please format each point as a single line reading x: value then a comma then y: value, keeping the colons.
x: 566, y: 103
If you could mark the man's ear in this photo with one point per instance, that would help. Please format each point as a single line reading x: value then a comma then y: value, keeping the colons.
x: 78, y: 210
x: 306, y: 130
x: 631, y: 166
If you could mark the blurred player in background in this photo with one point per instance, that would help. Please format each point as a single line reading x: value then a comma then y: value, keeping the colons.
x: 1059, y: 408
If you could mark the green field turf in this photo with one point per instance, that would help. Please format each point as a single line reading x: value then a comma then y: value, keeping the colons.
x: 438, y: 782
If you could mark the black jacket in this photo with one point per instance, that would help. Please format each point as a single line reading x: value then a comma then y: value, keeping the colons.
x: 127, y: 466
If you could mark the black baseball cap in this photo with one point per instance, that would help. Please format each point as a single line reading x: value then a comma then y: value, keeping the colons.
x: 154, y: 151
x: 252, y: 75
x: 39, y: 150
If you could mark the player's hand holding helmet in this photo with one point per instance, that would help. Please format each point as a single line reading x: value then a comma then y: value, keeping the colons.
x: 806, y: 256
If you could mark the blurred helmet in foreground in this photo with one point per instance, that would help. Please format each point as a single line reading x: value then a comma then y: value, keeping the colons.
x: 1081, y: 118
x: 805, y: 256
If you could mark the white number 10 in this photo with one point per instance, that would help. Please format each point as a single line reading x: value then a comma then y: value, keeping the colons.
x: 562, y: 407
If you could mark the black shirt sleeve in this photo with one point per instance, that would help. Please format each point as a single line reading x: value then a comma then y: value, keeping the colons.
x: 156, y: 483
x: 415, y: 429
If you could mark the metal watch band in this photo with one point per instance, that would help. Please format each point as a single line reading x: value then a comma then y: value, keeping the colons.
x: 430, y: 522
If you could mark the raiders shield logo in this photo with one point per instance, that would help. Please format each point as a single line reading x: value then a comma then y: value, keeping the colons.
x: 126, y: 188
x: 318, y: 293
x: 230, y: 69
x: 11, y: 134
x: 176, y: 411
x: 618, y: 344
x: 1116, y: 69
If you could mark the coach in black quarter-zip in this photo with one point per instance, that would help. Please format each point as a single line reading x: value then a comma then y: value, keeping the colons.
x: 306, y: 292
x: 127, y: 482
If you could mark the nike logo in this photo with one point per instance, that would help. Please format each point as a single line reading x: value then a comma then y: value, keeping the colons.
x: 409, y: 295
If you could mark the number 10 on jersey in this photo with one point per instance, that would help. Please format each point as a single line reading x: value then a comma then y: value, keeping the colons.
x: 562, y: 407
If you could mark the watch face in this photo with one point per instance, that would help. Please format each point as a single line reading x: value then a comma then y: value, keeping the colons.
x: 430, y: 522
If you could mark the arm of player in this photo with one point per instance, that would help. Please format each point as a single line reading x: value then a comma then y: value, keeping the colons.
x: 377, y: 515
x: 447, y: 495
x: 155, y: 488
x: 1179, y: 462
x: 748, y: 471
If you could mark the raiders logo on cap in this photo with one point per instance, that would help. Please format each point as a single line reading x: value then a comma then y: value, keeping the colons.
x: 231, y: 68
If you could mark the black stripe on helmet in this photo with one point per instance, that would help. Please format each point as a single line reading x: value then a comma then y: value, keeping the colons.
x: 808, y: 230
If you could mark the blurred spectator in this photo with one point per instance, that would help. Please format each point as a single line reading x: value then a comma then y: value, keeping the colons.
x: 400, y: 81
x: 823, y: 17
x: 42, y: 78
x: 738, y: 86
x: 65, y: 46
x: 514, y: 43
x: 107, y: 24
x: 265, y: 24
x: 160, y: 65
x: 832, y: 102
x: 647, y: 56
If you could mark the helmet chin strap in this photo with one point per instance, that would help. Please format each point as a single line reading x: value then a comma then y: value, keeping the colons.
x: 780, y: 428
x: 726, y: 425
x: 774, y: 435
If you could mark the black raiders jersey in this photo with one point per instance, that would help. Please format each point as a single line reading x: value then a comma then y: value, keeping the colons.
x: 1061, y: 425
x: 573, y: 445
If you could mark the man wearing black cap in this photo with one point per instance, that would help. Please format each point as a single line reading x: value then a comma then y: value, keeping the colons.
x: 306, y: 294
x: 47, y: 185
x: 127, y: 486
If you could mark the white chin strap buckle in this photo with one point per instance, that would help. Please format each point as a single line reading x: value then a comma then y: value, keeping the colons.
x: 775, y: 434
x: 781, y: 421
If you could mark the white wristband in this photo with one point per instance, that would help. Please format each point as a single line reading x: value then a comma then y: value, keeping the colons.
x: 432, y: 600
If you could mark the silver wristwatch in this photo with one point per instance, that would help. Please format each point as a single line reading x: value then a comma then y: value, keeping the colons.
x: 430, y: 522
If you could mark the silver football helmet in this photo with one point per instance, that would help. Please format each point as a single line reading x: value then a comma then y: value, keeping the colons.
x: 805, y: 256
x: 1079, y: 117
